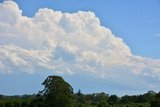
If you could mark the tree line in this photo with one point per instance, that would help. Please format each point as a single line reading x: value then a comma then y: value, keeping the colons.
x: 58, y: 93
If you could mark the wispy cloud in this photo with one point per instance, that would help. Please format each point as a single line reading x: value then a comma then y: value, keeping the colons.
x: 157, y: 35
x: 151, y: 21
x: 70, y: 44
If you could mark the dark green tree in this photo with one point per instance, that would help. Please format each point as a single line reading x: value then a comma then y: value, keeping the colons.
x: 113, y: 99
x: 24, y: 104
x: 102, y: 97
x: 58, y: 93
x: 1, y: 96
x: 103, y: 104
x: 156, y: 102
x: 80, y: 97
x: 2, y: 104
x: 17, y: 103
x: 9, y: 104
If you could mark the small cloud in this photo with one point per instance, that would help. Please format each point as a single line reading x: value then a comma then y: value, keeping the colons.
x: 157, y: 35
x: 150, y: 21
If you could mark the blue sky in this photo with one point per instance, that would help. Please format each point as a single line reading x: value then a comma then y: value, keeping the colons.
x: 136, y: 22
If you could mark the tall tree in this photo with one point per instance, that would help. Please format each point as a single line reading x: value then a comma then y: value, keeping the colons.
x: 58, y: 92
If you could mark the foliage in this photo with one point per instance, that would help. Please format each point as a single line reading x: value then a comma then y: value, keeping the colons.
x: 9, y: 104
x: 103, y: 103
x: 2, y: 104
x: 59, y: 93
x: 156, y: 101
x: 113, y: 99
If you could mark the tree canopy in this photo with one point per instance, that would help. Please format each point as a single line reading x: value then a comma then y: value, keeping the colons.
x: 58, y: 92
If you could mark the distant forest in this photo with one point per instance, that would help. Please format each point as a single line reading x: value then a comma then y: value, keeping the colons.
x: 58, y: 93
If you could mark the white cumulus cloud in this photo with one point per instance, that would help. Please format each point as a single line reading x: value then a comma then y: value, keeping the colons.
x: 67, y: 43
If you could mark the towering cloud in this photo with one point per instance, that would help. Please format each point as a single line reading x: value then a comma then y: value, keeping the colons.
x: 67, y: 43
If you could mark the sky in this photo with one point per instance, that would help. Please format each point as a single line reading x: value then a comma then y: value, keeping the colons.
x: 94, y: 45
